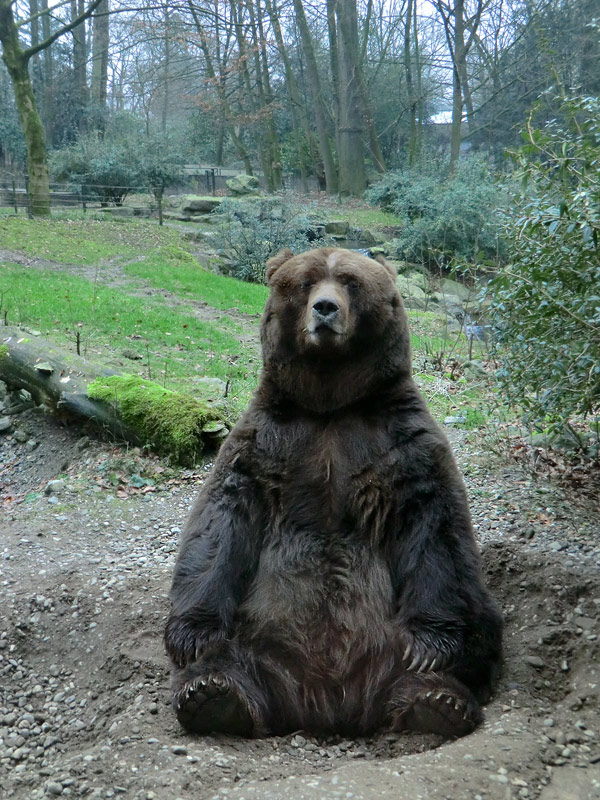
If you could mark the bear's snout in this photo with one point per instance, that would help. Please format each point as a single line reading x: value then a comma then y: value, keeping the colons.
x: 326, y: 311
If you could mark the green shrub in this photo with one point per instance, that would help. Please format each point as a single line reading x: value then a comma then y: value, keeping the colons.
x: 253, y: 230
x: 446, y: 217
x: 546, y: 301
x: 112, y: 166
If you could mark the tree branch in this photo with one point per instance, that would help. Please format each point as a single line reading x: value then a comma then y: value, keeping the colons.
x: 31, y: 51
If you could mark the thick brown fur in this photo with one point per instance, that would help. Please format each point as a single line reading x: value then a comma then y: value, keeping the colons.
x: 328, y: 577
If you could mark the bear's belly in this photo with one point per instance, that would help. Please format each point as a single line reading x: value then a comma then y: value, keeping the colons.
x: 326, y: 603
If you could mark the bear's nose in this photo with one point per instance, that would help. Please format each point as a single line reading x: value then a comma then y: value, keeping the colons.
x: 325, y: 307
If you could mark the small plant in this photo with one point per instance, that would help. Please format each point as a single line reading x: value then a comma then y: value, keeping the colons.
x: 254, y: 230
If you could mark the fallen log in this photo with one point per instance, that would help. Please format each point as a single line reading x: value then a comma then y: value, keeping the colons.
x: 132, y: 409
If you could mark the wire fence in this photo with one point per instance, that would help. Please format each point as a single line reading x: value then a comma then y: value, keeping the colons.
x: 117, y: 200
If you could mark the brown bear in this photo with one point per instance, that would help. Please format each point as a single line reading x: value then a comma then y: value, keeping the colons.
x: 328, y: 577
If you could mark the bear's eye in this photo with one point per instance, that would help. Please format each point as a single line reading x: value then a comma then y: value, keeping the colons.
x: 353, y: 285
x: 306, y: 284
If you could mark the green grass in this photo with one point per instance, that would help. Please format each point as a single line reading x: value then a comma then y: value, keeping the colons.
x: 174, y: 346
x: 72, y: 238
x: 173, y: 268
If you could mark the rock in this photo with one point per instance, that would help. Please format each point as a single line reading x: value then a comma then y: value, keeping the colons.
x: 177, y: 216
x: 474, y: 331
x: 53, y: 788
x: 464, y: 293
x: 5, y: 424
x: 20, y: 436
x: 45, y: 367
x: 199, y: 204
x: 120, y: 211
x: 474, y: 369
x: 410, y: 274
x: 415, y: 303
x: 338, y: 227
x: 18, y: 401
x: 243, y: 185
x: 382, y: 250
x: 55, y: 486
x: 535, y: 661
x: 3, y: 390
x: 457, y: 420
x: 370, y: 237
x: 131, y: 355
x: 409, y: 289
x: 179, y: 750
x: 451, y: 302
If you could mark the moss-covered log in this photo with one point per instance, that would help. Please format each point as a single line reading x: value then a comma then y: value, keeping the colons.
x: 132, y: 409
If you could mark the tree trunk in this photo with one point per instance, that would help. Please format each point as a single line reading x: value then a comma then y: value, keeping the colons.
x: 219, y: 87
x: 100, y: 44
x: 331, y: 178
x: 353, y: 179
x: 166, y: 69
x: 17, y: 64
x: 254, y: 101
x: 48, y: 82
x: 263, y: 63
x: 410, y: 86
x: 293, y: 93
x: 79, y: 63
x: 61, y: 382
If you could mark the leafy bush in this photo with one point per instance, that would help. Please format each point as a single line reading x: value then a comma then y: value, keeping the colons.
x: 446, y: 216
x: 253, y: 230
x: 112, y: 166
x: 546, y: 301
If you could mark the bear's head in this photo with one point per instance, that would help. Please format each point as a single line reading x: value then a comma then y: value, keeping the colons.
x: 334, y: 328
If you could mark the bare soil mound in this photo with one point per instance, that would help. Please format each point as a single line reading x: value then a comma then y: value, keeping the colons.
x: 84, y: 712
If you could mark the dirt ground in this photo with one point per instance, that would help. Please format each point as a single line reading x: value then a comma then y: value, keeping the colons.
x: 84, y: 706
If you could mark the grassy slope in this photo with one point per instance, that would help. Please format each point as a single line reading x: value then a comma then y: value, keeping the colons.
x: 175, y: 346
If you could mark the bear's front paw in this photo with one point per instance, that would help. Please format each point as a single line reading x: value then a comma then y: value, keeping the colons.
x: 427, y: 651
x: 185, y: 641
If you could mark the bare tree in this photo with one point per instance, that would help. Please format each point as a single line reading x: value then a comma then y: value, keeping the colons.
x: 17, y: 58
x: 460, y: 27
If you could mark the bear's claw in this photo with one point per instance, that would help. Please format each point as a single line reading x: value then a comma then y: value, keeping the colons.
x: 213, y: 703
x: 441, y: 712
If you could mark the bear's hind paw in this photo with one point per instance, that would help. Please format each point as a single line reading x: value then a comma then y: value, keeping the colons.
x: 213, y: 703
x: 442, y: 712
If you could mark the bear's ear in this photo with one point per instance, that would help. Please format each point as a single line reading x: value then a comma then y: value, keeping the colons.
x: 274, y: 263
x: 391, y: 269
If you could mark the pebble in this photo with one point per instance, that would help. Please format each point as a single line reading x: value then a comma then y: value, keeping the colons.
x: 54, y: 788
x: 179, y: 750
x: 535, y: 661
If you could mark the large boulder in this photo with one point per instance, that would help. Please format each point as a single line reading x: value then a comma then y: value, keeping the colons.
x: 243, y: 185
x: 457, y: 289
x: 337, y: 227
x: 199, y: 204
x: 451, y: 302
x: 417, y: 278
x: 409, y: 289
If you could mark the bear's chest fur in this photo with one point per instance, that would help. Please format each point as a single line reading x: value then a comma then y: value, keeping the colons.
x: 322, y: 575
